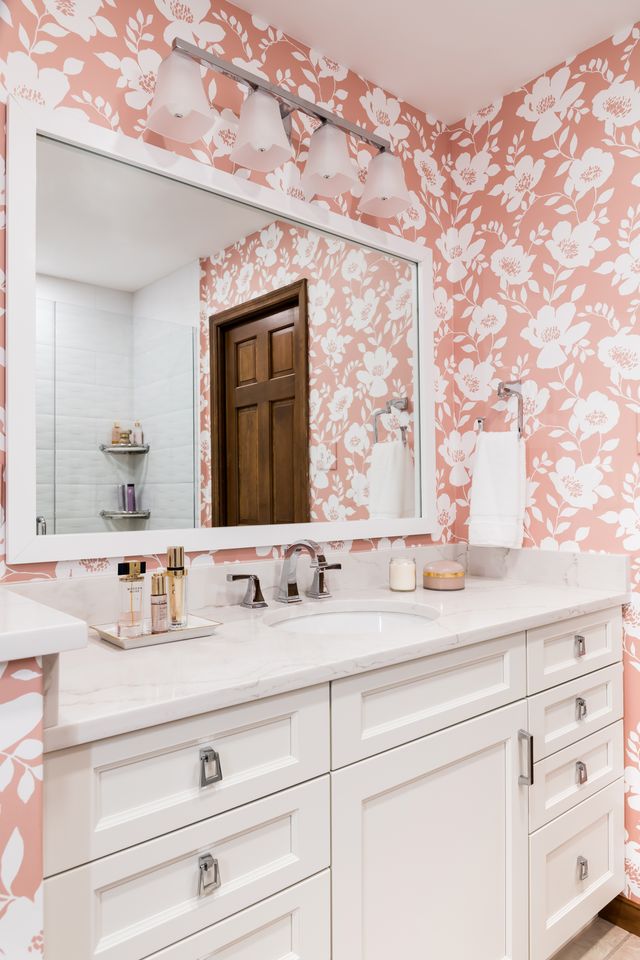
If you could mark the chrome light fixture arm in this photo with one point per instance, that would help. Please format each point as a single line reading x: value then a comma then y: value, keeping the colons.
x: 288, y: 101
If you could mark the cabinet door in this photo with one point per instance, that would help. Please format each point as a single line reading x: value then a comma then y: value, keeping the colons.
x: 429, y: 847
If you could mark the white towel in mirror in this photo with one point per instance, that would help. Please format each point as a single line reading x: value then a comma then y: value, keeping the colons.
x: 498, y: 490
x: 391, y: 481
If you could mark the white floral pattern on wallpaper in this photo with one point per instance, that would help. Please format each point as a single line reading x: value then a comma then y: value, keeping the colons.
x: 99, y: 59
x: 544, y: 286
x: 21, y: 912
x: 361, y: 350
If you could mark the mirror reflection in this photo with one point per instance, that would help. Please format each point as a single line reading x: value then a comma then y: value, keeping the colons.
x: 203, y: 363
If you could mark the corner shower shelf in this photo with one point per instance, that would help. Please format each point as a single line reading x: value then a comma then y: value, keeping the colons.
x: 124, y: 448
x: 125, y: 514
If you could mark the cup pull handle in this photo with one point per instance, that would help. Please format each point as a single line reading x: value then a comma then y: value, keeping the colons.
x: 581, y: 772
x: 583, y: 868
x: 208, y: 874
x: 580, y: 645
x: 581, y: 708
x: 210, y: 758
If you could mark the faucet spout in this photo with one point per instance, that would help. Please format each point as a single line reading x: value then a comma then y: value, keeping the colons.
x: 288, y: 591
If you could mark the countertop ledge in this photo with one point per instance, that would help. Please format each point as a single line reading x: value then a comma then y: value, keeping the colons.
x: 105, y: 691
x: 31, y: 629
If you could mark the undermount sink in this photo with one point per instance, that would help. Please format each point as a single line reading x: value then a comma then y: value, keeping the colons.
x: 365, y: 617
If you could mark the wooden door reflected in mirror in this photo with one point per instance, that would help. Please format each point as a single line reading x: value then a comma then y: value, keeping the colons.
x: 260, y: 410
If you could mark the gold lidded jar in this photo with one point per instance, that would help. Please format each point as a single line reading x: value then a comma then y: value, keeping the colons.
x: 443, y: 575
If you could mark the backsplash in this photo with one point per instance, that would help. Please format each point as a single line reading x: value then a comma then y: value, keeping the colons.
x: 361, y: 349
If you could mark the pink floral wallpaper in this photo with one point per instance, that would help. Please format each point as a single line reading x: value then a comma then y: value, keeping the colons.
x: 20, y: 810
x: 361, y: 311
x: 541, y: 282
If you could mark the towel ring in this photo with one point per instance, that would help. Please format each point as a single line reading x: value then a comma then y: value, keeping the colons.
x: 514, y: 389
x: 399, y: 403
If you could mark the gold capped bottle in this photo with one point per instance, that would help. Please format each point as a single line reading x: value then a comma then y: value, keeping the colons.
x: 177, y: 588
x: 130, y: 620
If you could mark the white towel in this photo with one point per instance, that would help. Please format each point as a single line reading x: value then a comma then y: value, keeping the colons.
x: 498, y: 491
x: 391, y: 482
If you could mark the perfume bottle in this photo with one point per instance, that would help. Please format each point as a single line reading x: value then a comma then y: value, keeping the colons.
x: 130, y: 620
x: 137, y: 436
x: 176, y: 588
x: 159, y: 605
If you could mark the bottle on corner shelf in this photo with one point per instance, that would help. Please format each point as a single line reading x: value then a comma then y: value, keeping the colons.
x: 115, y: 433
x: 137, y: 436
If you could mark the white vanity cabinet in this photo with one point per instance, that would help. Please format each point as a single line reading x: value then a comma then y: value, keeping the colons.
x: 465, y: 804
x: 429, y: 846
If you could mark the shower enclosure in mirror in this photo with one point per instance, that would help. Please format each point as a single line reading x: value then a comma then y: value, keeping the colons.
x: 204, y: 363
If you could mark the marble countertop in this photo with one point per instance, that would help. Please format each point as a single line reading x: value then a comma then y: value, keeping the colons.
x: 106, y: 691
x: 32, y: 629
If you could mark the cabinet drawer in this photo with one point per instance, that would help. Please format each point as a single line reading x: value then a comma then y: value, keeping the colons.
x: 567, y: 713
x: 108, y: 795
x: 562, y: 898
x: 138, y: 901
x: 375, y: 711
x: 566, y: 778
x: 563, y: 651
x: 292, y: 925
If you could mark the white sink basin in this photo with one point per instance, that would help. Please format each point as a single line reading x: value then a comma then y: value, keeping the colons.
x: 365, y: 617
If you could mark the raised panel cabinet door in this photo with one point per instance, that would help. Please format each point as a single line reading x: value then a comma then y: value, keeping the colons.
x: 429, y: 847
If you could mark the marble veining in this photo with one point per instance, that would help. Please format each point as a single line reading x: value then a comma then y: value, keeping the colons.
x: 106, y: 691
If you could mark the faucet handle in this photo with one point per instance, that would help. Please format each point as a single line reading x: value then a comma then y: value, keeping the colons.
x: 319, y: 589
x: 253, y: 598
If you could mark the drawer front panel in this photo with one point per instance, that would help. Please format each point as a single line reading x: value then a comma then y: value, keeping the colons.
x: 375, y: 711
x: 576, y: 867
x: 141, y: 900
x: 292, y: 925
x: 570, y: 776
x: 563, y: 651
x: 108, y: 795
x: 570, y: 712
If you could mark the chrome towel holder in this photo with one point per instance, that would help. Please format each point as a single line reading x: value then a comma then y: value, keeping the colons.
x: 398, y: 403
x: 505, y: 391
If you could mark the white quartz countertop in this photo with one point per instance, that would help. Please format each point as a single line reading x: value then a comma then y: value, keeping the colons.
x: 31, y: 629
x: 106, y: 691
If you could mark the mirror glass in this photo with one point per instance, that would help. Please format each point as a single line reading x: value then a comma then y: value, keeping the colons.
x: 201, y: 362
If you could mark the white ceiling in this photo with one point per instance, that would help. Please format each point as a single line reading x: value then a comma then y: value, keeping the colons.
x: 106, y: 223
x: 449, y: 58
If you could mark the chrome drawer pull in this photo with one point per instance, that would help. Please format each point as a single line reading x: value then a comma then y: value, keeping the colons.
x: 581, y: 708
x: 210, y: 757
x: 526, y: 779
x: 580, y: 645
x: 208, y: 874
x: 583, y: 868
x: 581, y: 771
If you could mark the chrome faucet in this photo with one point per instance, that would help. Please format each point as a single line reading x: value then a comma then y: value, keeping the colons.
x: 253, y: 598
x: 288, y: 591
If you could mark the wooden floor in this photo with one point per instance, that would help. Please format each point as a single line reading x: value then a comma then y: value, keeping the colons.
x: 602, y: 941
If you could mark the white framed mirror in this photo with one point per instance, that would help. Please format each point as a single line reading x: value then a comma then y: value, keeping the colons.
x: 201, y: 360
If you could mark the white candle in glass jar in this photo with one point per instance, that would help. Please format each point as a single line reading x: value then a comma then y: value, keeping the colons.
x: 402, y: 573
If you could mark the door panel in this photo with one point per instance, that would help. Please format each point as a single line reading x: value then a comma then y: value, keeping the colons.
x: 427, y: 832
x: 259, y: 374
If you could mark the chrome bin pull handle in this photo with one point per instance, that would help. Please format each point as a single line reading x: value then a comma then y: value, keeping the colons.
x: 210, y: 758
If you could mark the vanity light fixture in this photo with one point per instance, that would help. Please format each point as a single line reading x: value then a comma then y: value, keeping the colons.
x: 385, y: 191
x: 180, y: 110
x: 329, y: 170
x: 262, y: 143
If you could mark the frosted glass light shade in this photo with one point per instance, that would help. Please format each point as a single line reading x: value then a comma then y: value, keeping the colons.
x: 180, y: 109
x: 329, y: 170
x: 385, y: 191
x: 262, y: 143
